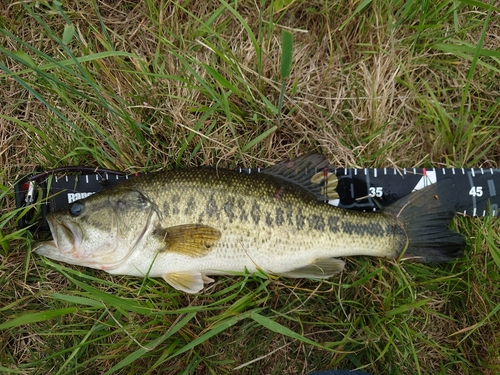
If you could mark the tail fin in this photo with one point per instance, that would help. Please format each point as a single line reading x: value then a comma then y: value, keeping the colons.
x: 425, y: 216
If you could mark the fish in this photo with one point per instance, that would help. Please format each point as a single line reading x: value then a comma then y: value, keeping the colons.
x: 186, y: 225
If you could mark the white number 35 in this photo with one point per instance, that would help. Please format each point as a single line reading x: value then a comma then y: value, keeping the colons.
x: 375, y: 191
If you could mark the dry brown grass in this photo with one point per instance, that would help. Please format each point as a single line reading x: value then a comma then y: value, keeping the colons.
x: 373, y: 94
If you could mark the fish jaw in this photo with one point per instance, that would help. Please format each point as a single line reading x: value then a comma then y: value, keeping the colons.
x: 66, y: 244
x: 66, y: 238
x: 47, y: 249
x: 50, y: 250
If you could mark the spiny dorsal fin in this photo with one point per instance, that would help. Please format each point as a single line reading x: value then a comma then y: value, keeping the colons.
x: 311, y: 172
x: 194, y: 240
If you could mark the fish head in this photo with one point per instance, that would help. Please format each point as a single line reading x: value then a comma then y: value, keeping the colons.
x: 100, y: 231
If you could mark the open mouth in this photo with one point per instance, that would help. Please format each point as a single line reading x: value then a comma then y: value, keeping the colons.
x: 83, y: 244
x: 67, y: 236
x: 47, y: 248
x: 66, y: 243
x: 67, y: 233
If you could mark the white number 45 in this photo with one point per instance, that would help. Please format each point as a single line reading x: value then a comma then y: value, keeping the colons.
x: 476, y: 191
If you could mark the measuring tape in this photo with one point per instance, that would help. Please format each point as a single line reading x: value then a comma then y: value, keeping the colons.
x: 370, y: 189
x: 475, y: 189
x: 366, y: 189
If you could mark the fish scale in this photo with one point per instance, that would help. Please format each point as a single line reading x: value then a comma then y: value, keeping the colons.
x: 264, y: 241
x: 292, y: 210
x: 186, y: 224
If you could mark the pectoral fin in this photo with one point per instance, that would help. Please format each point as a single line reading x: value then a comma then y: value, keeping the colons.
x: 187, y: 281
x: 320, y: 268
x: 195, y: 240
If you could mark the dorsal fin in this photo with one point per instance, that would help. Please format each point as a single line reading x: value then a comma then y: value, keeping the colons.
x: 311, y: 172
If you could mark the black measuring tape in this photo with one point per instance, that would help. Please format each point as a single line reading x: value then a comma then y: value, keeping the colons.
x: 370, y: 189
x: 477, y: 190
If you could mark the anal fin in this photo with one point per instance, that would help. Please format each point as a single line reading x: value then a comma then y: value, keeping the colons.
x: 187, y: 281
x: 321, y: 268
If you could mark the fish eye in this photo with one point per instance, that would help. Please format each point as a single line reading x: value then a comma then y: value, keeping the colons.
x: 76, y: 208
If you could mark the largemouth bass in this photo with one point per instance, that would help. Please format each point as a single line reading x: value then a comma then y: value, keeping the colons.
x: 185, y: 225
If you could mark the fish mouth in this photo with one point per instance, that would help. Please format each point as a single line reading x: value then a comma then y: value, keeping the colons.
x: 67, y: 239
x: 69, y: 233
x: 67, y: 236
x: 103, y: 248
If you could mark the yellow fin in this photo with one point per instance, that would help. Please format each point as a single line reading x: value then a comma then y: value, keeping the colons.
x: 194, y: 240
x: 321, y: 268
x: 187, y: 281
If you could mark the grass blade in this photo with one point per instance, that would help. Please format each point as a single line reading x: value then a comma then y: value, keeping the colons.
x: 150, y: 346
x: 282, y: 330
x: 109, y: 299
x: 286, y: 53
x: 259, y: 138
x: 359, y: 8
x: 213, y: 331
x: 37, y: 317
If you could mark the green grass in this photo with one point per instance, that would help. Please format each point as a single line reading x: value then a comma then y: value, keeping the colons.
x: 143, y: 86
